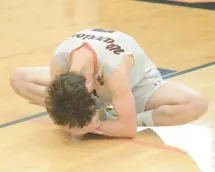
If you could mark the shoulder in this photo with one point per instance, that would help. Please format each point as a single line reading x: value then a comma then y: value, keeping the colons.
x: 119, y: 78
x: 64, y: 46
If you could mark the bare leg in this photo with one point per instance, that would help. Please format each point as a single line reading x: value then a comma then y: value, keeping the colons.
x: 30, y: 83
x: 176, y: 104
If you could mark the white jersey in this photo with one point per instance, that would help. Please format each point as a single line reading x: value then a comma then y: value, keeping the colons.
x: 110, y: 48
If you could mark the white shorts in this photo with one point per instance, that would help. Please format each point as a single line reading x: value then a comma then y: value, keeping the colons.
x: 142, y: 92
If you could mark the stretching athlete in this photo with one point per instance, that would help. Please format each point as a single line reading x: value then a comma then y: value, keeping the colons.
x: 101, y: 68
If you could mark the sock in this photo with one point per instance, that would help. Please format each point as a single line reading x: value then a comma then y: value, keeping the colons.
x: 145, y: 119
x: 107, y: 113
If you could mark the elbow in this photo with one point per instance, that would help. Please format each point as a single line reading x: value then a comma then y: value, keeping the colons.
x: 131, y: 135
x: 131, y: 132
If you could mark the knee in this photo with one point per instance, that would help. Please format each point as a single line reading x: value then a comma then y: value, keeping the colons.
x: 17, y: 78
x: 198, y: 104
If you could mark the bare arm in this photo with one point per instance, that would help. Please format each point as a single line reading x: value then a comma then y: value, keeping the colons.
x: 123, y: 102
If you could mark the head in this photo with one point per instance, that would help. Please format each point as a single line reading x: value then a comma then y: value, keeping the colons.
x: 69, y: 102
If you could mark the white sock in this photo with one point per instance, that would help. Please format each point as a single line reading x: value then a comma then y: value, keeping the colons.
x: 145, y: 119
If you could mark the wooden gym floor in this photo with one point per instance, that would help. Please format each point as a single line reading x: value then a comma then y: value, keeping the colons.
x: 180, y: 41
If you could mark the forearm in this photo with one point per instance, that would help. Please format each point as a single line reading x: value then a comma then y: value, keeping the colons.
x: 115, y: 128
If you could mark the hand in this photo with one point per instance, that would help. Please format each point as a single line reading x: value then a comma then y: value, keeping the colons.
x: 97, y: 132
x: 92, y: 127
x: 77, y: 132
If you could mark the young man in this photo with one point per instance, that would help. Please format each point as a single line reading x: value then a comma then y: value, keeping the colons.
x: 98, y: 68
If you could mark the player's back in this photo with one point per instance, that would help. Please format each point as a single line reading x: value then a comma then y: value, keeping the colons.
x: 110, y: 48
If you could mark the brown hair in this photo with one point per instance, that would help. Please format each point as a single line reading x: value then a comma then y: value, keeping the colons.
x: 68, y: 101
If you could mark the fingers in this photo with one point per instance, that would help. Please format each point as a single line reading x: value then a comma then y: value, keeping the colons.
x: 98, y: 132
